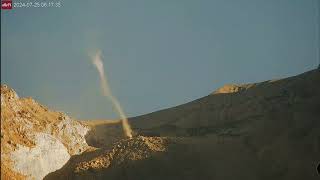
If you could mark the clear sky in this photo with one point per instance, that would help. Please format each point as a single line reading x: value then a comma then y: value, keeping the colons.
x: 157, y: 53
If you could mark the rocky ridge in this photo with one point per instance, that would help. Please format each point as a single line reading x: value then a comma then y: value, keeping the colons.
x: 34, y: 140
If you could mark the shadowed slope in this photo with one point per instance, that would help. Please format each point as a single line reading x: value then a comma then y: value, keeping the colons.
x: 268, y: 130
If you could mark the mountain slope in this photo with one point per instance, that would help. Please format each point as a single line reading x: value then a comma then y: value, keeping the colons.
x: 267, y: 130
x: 34, y: 140
x: 289, y: 96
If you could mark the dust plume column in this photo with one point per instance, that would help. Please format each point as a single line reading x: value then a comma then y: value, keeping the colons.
x: 97, y: 61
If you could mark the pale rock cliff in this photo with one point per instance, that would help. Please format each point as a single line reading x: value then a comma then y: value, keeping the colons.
x: 34, y: 140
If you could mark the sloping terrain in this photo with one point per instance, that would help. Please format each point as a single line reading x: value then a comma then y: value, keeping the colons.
x: 267, y: 130
x: 100, y: 163
x: 34, y: 140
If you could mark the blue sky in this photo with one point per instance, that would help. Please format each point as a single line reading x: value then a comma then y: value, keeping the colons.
x: 157, y: 54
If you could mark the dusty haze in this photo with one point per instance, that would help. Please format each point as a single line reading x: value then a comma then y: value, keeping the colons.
x: 106, y: 91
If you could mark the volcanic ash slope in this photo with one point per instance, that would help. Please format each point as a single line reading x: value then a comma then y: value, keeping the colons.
x: 267, y: 130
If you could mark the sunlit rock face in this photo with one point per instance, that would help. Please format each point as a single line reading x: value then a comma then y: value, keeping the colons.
x: 48, y: 155
x: 34, y: 140
x: 72, y: 134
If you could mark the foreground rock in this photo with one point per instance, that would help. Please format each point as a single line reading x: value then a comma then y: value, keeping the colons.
x: 104, y: 163
x: 34, y: 140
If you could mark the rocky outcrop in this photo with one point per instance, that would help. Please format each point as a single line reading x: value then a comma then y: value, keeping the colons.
x: 48, y: 155
x: 106, y: 160
x: 230, y: 88
x: 34, y: 140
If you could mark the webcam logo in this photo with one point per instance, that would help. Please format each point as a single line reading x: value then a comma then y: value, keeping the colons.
x: 6, y: 4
